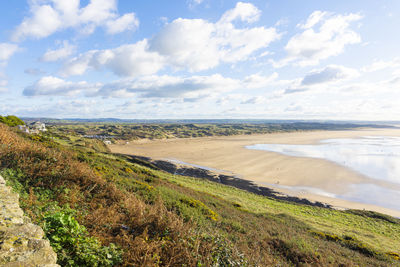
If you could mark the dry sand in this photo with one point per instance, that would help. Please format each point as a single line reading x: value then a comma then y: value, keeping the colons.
x: 270, y: 169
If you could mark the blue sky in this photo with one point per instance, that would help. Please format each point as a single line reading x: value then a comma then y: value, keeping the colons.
x: 261, y: 59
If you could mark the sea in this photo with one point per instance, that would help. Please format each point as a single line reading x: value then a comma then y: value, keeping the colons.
x: 376, y: 157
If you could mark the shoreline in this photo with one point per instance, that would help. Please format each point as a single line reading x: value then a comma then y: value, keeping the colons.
x: 200, y: 172
x: 268, y: 169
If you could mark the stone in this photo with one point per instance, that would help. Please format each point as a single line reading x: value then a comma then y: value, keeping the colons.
x: 21, y: 242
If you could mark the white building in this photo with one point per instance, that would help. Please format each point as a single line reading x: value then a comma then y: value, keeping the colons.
x: 39, y: 126
x: 23, y: 128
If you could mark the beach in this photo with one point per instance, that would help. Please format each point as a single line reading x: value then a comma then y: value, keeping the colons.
x: 282, y: 173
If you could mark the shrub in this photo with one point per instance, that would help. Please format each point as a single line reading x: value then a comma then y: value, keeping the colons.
x: 11, y: 120
x: 74, y: 246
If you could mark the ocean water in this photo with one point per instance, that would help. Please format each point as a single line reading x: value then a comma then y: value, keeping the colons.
x: 377, y: 157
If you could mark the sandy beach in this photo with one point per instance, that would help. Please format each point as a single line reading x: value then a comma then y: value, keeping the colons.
x: 229, y: 155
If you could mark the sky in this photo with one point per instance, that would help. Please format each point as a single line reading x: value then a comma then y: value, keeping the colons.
x: 200, y: 59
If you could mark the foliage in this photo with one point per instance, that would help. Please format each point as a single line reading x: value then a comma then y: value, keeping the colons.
x: 11, y: 120
x: 158, y: 219
x: 135, y: 131
x: 15, y: 179
x: 350, y: 242
x: 73, y: 244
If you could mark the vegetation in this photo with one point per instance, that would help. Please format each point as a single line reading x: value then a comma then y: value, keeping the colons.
x: 11, y: 120
x: 134, y: 131
x: 100, y: 209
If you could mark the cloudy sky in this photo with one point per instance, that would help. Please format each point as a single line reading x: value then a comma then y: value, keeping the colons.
x: 286, y: 59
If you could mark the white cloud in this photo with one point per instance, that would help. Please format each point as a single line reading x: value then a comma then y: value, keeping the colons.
x: 127, y: 60
x: 319, y: 80
x: 187, y: 42
x: 63, y: 52
x: 254, y: 100
x: 6, y: 51
x: 153, y: 86
x: 43, y: 22
x: 50, y: 85
x: 242, y: 11
x: 331, y: 73
x: 313, y: 19
x: 50, y: 16
x: 126, y: 22
x: 325, y: 35
x: 169, y: 86
x: 380, y: 65
x: 293, y: 107
x: 3, y: 84
x: 197, y: 44
x: 190, y: 44
x: 259, y: 81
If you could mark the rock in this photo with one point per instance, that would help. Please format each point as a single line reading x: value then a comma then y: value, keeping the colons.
x: 21, y: 242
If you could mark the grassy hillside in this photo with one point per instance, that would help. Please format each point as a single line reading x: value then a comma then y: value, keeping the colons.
x: 100, y: 209
x: 134, y: 131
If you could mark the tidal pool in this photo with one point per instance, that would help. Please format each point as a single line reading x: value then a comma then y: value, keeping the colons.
x: 377, y: 157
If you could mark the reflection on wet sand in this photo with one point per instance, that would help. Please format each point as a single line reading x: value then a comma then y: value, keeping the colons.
x: 377, y: 157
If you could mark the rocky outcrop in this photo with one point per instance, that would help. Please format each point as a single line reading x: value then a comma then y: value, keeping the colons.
x: 21, y: 242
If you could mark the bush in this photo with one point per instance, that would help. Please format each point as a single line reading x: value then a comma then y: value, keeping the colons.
x: 11, y: 120
x: 74, y: 246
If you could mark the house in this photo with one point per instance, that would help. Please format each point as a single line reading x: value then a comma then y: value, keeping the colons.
x: 33, y: 128
x: 39, y: 126
x: 23, y: 128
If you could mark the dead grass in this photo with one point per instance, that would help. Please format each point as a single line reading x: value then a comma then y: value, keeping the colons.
x: 159, y: 223
x: 149, y: 234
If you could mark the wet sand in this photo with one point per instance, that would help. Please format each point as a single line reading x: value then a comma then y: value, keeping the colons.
x: 270, y: 169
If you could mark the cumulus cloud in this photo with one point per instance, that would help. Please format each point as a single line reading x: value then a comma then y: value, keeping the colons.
x: 61, y: 53
x: 254, y: 100
x: 317, y: 80
x: 127, y: 60
x: 259, y: 81
x: 188, y: 89
x: 50, y: 85
x: 197, y: 44
x: 6, y: 51
x: 292, y: 90
x: 187, y: 42
x: 190, y: 44
x: 126, y: 22
x: 49, y: 16
x: 152, y: 86
x: 381, y: 64
x: 331, y: 73
x: 242, y: 11
x: 169, y: 86
x: 325, y: 35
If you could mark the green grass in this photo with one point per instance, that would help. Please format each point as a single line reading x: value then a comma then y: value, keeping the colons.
x: 379, y: 234
x: 134, y: 131
x: 156, y: 217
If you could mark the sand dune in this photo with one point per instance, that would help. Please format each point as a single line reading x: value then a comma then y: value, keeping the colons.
x: 267, y: 168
